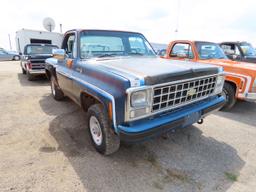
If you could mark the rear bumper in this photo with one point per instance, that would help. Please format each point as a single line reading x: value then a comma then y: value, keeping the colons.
x: 177, y: 119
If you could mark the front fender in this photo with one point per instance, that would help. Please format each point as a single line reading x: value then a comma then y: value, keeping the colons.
x: 105, y: 98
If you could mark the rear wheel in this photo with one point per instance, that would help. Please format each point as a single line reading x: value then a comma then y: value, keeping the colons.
x: 16, y: 58
x: 56, y: 91
x: 102, y: 135
x: 230, y: 95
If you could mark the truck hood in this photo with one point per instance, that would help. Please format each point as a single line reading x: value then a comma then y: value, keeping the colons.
x: 40, y: 56
x: 230, y: 63
x: 153, y: 70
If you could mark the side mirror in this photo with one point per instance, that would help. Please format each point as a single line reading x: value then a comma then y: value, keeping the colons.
x: 59, y: 54
x: 27, y: 57
x: 234, y: 56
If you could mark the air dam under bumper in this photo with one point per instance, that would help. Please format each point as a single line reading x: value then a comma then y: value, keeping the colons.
x: 177, y: 119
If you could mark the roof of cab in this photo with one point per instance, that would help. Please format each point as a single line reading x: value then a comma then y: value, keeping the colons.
x: 107, y: 30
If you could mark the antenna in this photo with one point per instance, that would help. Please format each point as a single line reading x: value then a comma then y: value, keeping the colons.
x: 49, y: 24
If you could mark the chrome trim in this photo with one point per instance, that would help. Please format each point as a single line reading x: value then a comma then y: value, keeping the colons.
x: 180, y: 93
x: 129, y: 91
x: 41, y: 71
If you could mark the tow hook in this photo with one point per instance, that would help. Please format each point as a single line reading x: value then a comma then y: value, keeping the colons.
x: 200, y: 121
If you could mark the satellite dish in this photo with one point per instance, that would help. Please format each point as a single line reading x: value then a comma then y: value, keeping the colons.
x: 49, y: 24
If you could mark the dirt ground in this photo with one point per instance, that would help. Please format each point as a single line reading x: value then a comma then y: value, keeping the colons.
x: 44, y: 146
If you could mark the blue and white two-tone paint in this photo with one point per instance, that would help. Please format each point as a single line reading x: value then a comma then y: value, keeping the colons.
x: 140, y: 94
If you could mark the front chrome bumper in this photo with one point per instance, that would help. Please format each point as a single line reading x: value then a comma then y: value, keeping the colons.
x: 37, y: 71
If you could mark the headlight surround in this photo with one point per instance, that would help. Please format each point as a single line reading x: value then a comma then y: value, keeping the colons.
x: 219, y: 84
x: 139, y: 103
x: 140, y: 99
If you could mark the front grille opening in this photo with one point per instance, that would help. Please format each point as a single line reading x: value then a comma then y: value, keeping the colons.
x: 169, y: 96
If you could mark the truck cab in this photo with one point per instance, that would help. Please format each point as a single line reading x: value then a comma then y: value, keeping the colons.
x: 128, y: 93
x: 239, y: 51
x: 240, y: 81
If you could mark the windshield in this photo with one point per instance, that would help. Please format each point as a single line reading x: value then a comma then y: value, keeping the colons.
x: 210, y: 51
x: 247, y: 49
x: 39, y: 49
x: 113, y: 43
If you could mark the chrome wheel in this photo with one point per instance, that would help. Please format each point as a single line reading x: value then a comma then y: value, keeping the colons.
x: 95, y: 130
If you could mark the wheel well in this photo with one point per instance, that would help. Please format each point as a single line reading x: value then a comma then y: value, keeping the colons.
x: 87, y: 100
x: 232, y: 84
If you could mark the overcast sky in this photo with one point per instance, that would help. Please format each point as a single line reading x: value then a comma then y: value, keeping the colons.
x: 212, y: 20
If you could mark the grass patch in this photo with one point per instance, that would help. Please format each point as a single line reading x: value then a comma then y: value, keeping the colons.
x: 231, y: 176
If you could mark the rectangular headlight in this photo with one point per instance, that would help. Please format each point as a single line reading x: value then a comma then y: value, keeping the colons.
x: 140, y: 98
x: 219, y: 84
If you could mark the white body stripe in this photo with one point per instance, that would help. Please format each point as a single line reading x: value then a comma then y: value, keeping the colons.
x: 248, y: 82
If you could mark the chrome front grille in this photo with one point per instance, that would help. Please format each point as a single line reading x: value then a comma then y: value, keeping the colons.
x: 173, y: 95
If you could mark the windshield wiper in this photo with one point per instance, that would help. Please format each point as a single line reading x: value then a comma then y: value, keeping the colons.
x: 107, y: 55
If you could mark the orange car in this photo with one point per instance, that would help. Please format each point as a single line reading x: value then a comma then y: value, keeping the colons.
x: 240, y: 80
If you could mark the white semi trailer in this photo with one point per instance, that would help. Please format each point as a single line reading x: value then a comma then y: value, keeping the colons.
x: 28, y: 36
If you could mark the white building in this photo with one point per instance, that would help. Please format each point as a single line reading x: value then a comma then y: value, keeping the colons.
x: 27, y: 36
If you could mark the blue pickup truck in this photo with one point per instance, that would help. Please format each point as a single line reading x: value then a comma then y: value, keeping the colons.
x: 129, y: 93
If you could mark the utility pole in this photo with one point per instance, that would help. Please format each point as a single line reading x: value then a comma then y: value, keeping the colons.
x: 60, y: 28
x: 10, y: 43
x: 178, y: 20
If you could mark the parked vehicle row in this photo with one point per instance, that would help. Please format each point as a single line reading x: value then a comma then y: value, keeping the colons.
x: 240, y: 81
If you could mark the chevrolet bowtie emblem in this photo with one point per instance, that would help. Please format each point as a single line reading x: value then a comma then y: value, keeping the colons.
x: 191, y: 92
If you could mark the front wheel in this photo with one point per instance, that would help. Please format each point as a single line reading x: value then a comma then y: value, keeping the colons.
x: 102, y: 135
x: 56, y: 91
x: 230, y: 95
x: 29, y: 76
x: 23, y: 71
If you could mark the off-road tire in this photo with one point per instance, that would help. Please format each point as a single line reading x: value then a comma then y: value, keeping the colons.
x: 230, y: 93
x: 57, y: 93
x: 30, y: 76
x: 23, y: 70
x: 110, y: 141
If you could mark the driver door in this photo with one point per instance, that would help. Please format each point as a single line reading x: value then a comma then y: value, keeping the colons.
x: 181, y: 51
x: 65, y: 68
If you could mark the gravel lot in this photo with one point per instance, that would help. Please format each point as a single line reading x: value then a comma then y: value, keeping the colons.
x: 44, y: 146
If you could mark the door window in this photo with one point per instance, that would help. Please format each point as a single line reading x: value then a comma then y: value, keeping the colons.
x: 182, y: 50
x: 68, y: 45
